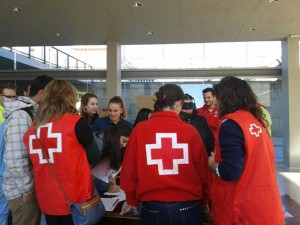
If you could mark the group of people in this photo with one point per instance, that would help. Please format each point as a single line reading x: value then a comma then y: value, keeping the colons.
x: 173, y: 160
x: 165, y: 168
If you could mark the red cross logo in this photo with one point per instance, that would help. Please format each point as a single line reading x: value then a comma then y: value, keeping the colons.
x: 53, y: 143
x: 167, y: 154
x: 255, y: 130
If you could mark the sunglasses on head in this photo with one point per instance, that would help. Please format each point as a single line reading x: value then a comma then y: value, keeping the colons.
x: 188, y: 105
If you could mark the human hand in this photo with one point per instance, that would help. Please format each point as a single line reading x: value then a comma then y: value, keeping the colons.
x: 211, y: 159
x: 126, y: 208
x: 113, y: 188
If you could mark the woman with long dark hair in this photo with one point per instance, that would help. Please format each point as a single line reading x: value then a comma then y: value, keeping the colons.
x: 142, y: 115
x: 114, y: 144
x: 244, y: 190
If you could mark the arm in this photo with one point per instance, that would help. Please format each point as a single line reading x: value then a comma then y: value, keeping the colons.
x: 129, y: 178
x: 85, y: 137
x: 231, y: 140
x: 16, y: 156
x: 209, y: 140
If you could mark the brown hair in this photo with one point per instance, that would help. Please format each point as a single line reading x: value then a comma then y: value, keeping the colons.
x: 59, y: 98
x: 118, y: 100
x: 7, y: 86
x: 84, y: 101
x: 233, y: 94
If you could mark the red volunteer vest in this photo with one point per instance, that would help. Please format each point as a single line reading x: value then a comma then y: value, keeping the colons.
x: 254, y: 199
x: 69, y: 161
x: 212, y: 118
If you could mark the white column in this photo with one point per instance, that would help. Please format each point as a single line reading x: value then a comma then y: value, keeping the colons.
x: 113, y: 74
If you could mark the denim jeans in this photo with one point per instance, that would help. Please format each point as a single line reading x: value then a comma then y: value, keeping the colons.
x: 4, y: 210
x: 100, y: 185
x: 172, y: 213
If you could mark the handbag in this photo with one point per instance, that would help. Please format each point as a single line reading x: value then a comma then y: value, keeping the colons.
x: 85, y: 213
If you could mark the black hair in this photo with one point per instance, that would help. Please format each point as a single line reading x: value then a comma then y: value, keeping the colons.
x: 209, y: 90
x: 38, y: 84
x: 142, y: 115
x: 167, y: 95
x: 190, y: 105
x: 111, y: 145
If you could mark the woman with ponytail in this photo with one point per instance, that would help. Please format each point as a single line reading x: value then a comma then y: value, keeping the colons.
x: 165, y: 168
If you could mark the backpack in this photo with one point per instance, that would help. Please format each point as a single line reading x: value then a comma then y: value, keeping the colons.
x: 2, y: 142
x: 28, y: 110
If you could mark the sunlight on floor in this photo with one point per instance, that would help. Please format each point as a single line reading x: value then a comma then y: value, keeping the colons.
x: 293, y: 177
x: 289, y: 183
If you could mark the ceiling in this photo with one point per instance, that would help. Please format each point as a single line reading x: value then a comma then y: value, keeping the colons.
x: 94, y: 22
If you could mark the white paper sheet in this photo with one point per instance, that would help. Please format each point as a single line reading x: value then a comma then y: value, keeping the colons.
x: 111, y: 203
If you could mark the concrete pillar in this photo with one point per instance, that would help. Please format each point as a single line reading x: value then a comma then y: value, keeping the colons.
x: 113, y: 74
x: 291, y: 104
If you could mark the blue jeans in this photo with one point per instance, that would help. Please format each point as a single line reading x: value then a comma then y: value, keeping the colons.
x: 100, y: 185
x: 4, y: 210
x: 172, y: 213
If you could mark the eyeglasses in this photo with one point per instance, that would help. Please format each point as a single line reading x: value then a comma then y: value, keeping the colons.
x: 9, y: 96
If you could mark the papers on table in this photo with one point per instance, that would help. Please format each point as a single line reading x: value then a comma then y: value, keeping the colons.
x: 102, y: 170
x: 111, y: 202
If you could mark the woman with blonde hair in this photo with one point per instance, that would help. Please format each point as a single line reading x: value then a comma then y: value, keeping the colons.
x: 116, y: 116
x: 68, y: 143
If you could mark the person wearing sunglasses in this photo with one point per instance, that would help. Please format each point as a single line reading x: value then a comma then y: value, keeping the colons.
x: 189, y: 114
x: 7, y: 91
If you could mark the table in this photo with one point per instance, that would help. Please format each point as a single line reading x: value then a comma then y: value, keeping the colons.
x: 114, y: 218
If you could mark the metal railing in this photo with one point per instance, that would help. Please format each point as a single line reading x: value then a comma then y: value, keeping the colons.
x: 49, y: 55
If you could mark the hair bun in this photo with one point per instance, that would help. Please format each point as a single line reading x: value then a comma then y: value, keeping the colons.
x: 160, y: 96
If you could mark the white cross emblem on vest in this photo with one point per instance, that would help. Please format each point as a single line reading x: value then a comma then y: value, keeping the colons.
x: 54, y: 143
x: 167, y: 154
x: 255, y: 130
